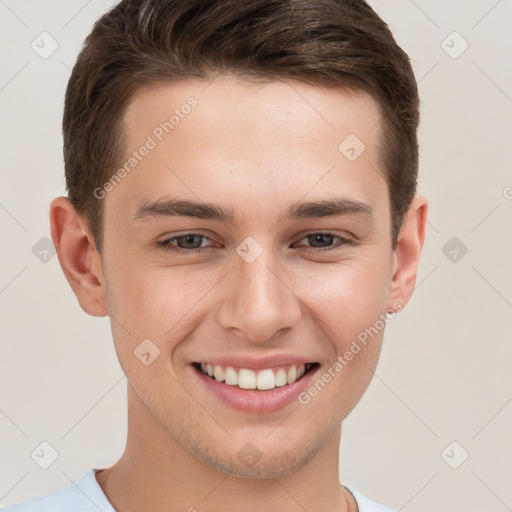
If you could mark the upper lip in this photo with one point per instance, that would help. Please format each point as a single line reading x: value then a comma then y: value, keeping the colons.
x: 256, y: 362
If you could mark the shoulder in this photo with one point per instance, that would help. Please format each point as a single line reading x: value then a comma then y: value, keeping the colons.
x: 365, y: 504
x: 82, y: 495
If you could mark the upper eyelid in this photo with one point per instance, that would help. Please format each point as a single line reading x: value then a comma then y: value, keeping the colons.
x: 195, y: 233
x: 348, y: 238
x: 328, y: 233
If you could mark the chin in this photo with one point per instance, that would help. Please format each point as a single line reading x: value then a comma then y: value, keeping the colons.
x: 259, y: 459
x: 265, y: 468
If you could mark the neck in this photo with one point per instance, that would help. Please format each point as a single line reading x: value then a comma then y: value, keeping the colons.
x: 155, y: 473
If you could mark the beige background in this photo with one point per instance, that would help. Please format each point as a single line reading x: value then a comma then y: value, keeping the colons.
x: 445, y: 371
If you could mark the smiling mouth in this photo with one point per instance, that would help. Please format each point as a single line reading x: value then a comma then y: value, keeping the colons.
x: 263, y: 380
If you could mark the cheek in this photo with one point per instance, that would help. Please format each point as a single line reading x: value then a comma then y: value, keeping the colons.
x: 346, y: 297
x: 348, y: 303
x: 159, y: 302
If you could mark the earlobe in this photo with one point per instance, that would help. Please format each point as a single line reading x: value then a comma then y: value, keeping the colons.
x: 78, y: 257
x: 406, y: 256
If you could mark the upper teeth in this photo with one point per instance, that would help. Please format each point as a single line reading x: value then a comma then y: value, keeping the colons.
x: 248, y: 379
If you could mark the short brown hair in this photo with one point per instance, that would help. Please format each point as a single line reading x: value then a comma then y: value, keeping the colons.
x: 340, y: 43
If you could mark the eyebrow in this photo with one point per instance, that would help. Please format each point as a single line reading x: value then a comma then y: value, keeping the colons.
x: 199, y: 210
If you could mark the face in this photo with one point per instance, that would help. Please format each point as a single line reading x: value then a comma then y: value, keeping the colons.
x: 251, y: 281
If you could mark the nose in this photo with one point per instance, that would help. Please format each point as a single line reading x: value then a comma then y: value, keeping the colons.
x: 258, y: 302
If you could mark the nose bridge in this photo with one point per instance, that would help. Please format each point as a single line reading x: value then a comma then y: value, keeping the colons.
x: 259, y: 303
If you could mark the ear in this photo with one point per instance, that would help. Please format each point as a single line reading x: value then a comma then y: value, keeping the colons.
x: 406, y: 256
x: 78, y: 257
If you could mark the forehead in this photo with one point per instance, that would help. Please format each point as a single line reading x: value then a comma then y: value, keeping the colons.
x: 265, y: 108
x: 263, y: 142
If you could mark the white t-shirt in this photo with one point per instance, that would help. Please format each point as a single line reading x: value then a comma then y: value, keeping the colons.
x: 86, y: 495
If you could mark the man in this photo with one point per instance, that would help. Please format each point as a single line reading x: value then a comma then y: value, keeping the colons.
x: 242, y: 204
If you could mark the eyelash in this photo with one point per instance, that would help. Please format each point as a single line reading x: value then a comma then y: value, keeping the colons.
x: 166, y: 244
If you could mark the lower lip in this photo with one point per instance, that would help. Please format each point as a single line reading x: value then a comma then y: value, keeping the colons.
x: 254, y: 400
